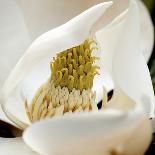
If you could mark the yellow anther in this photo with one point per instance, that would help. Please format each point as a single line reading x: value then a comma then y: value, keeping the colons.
x: 63, y: 60
x: 81, y: 83
x: 75, y: 74
x: 75, y: 65
x: 52, y: 67
x: 93, y: 59
x: 91, y: 42
x: 70, y: 82
x: 65, y: 72
x: 59, y: 77
x: 75, y: 54
x: 75, y: 62
x: 81, y: 50
x: 69, y: 58
x: 89, y: 80
x: 94, y: 68
x: 80, y: 70
x: 87, y: 53
x: 86, y: 44
x: 70, y: 69
x: 81, y: 60
x: 88, y: 67
x: 93, y: 49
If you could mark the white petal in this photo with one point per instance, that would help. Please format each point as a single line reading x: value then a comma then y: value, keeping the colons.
x: 36, y: 59
x: 44, y: 15
x: 4, y: 118
x: 14, y: 146
x: 123, y: 58
x: 14, y: 38
x: 108, y: 38
x: 91, y: 133
x: 14, y: 41
x: 146, y: 31
x: 130, y: 69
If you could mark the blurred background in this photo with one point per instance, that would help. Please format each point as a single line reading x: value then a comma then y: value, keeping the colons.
x: 151, y: 7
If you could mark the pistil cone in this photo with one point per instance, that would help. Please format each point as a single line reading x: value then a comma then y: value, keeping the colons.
x: 69, y: 88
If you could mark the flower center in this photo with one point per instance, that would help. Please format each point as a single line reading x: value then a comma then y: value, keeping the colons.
x: 69, y: 88
x: 74, y: 67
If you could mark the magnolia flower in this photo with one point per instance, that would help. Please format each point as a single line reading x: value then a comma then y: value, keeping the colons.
x: 27, y: 96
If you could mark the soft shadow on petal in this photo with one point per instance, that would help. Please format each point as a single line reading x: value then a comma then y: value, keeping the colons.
x: 103, y: 131
x: 14, y: 146
x: 120, y: 101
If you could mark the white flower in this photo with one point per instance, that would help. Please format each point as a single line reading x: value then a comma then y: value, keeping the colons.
x: 121, y: 58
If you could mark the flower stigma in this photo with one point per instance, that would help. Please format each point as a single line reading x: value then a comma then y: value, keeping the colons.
x: 69, y: 88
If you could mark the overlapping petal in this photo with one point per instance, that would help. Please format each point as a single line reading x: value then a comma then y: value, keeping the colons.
x: 27, y: 75
x: 91, y: 133
x: 123, y: 62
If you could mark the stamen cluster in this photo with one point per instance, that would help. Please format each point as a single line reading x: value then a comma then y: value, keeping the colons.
x: 74, y: 67
x: 51, y: 101
x: 68, y: 90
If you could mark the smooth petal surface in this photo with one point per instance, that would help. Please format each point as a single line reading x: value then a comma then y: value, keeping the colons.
x: 14, y: 40
x: 14, y: 146
x: 48, y: 14
x: 133, y: 76
x: 14, y: 37
x: 107, y: 39
x: 91, y: 133
x: 27, y: 75
x: 3, y: 117
x: 146, y: 31
x: 124, y: 60
x: 44, y: 15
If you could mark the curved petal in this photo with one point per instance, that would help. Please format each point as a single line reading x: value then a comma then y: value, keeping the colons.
x: 14, y: 40
x: 14, y: 146
x: 44, y: 15
x: 107, y: 39
x: 133, y: 76
x: 3, y: 117
x: 37, y: 57
x: 103, y: 131
x: 146, y: 31
x: 123, y: 59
